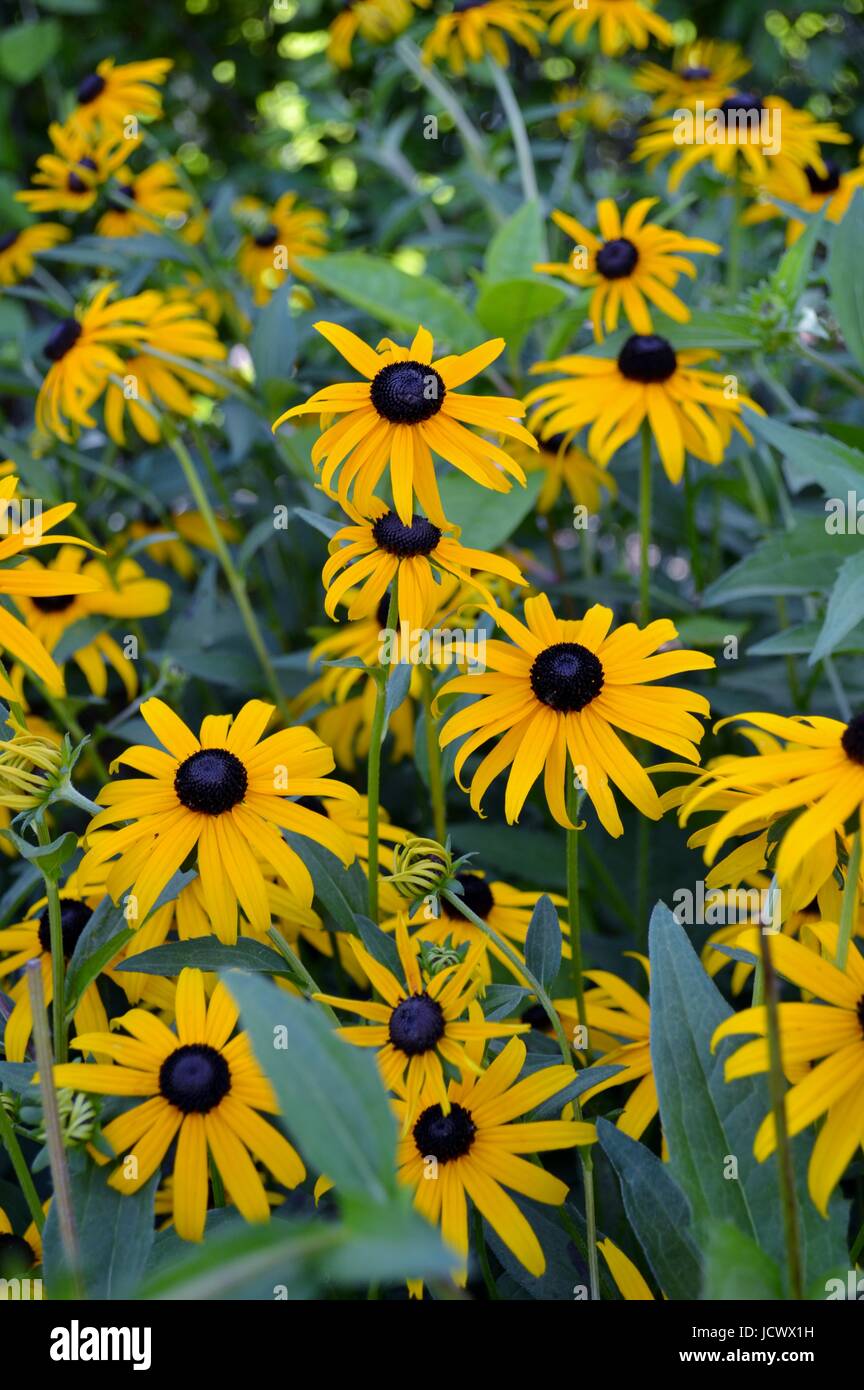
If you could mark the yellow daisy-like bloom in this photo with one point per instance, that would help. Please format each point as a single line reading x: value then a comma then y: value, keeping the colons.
x: 20, y: 532
x: 598, y: 109
x: 706, y: 70
x: 630, y: 264
x: 283, y: 237
x: 178, y: 554
x: 745, y: 133
x: 224, y: 795
x: 108, y: 97
x: 157, y: 195
x: 202, y: 1090
x: 18, y: 1254
x: 829, y: 1034
x: 420, y: 1024
x: 807, y: 189
x: 377, y: 21
x: 477, y: 1147
x: 374, y: 552
x: 127, y: 592
x: 566, y: 467
x: 476, y: 28
x: 564, y: 688
x: 83, y: 354
x: 174, y: 327
x: 69, y: 179
x: 19, y: 249
x: 621, y: 23
x: 820, y: 772
x: 507, y: 910
x: 688, y: 409
x: 407, y: 407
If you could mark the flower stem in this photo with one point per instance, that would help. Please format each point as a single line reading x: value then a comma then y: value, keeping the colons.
x: 785, y: 1171
x: 574, y: 800
x: 9, y: 1139
x: 291, y: 956
x: 849, y: 906
x: 483, y: 1256
x: 848, y: 379
x: 236, y: 582
x: 58, y: 960
x: 376, y: 738
x: 53, y: 1132
x: 733, y: 268
x: 433, y: 759
x: 645, y: 526
x: 521, y: 143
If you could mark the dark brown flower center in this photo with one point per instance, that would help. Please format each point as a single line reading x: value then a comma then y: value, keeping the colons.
x: 444, y: 1137
x: 74, y: 916
x: 647, y: 357
x: 52, y: 603
x: 825, y: 183
x: 416, y: 1024
x: 92, y: 87
x: 16, y: 1256
x: 695, y: 74
x: 195, y: 1078
x: 852, y: 739
x: 8, y: 239
x: 742, y: 105
x: 74, y: 183
x: 392, y: 535
x: 566, y: 677
x: 64, y: 337
x: 267, y: 238
x: 617, y: 259
x: 476, y: 894
x: 211, y: 780
x: 406, y: 393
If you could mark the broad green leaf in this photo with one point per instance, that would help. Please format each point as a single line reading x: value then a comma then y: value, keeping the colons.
x: 50, y: 857
x: 845, y: 607
x: 516, y: 246
x: 487, y: 519
x: 206, y: 953
x: 117, y: 253
x: 401, y: 301
x: 274, y: 338
x: 25, y: 49
x: 105, y: 934
x: 340, y: 893
x: 115, y: 1235
x: 396, y: 691
x: 801, y: 561
x: 508, y: 308
x: 381, y: 945
x: 543, y: 942
x: 799, y: 641
x: 790, y: 277
x: 330, y: 1093
x: 735, y: 1267
x: 658, y: 1212
x: 844, y: 277
x: 811, y: 459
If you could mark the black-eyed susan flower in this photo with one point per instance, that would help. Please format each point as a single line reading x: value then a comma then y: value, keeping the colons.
x: 22, y: 530
x: 621, y: 23
x: 474, y: 29
x: 822, y: 1046
x: 689, y: 409
x: 507, y: 910
x: 380, y: 548
x: 176, y: 328
x: 563, y: 687
x: 199, y: 1086
x: 18, y: 1253
x: 820, y: 772
x: 745, y: 133
x: 473, y: 1150
x: 109, y: 97
x: 566, y: 468
x: 420, y: 1025
x: 630, y: 265
x: 69, y: 179
x: 706, y: 70
x: 807, y: 189
x: 127, y: 592
x: 20, y: 249
x: 177, y: 552
x: 376, y: 21
x: 83, y: 352
x: 280, y: 238
x: 157, y: 197
x: 406, y: 409
x: 224, y: 796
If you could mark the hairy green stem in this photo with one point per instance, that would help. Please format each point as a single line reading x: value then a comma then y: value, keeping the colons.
x: 299, y: 969
x: 9, y: 1139
x: 521, y: 143
x: 645, y: 526
x: 58, y: 960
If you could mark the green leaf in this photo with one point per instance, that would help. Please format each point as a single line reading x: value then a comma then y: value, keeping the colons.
x: 516, y: 246
x: 340, y: 893
x: 508, y: 308
x: 51, y: 857
x: 801, y: 561
x: 543, y: 941
x: 381, y: 945
x: 790, y: 277
x: 71, y: 6
x: 401, y: 301
x: 105, y: 934
x: 25, y: 49
x: 116, y: 254
x: 845, y: 607
x: 799, y: 640
x: 735, y: 1267
x: 115, y: 1234
x: 844, y: 277
x: 811, y: 459
x: 206, y: 953
x: 274, y: 338
x: 487, y: 519
x: 657, y: 1210
x: 330, y: 1093
x: 396, y: 691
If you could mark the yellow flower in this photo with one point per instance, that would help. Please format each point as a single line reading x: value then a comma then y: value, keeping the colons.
x: 565, y: 466
x: 69, y: 179
x: 109, y: 97
x: 630, y: 265
x: 19, y: 250
x: 197, y: 1087
x: 157, y: 196
x: 687, y: 408
x: 476, y: 28
x: 806, y: 189
x: 282, y: 236
x: 407, y: 407
x: 620, y: 23
x: 192, y: 531
x: 706, y: 70
x: 377, y: 21
x: 564, y: 688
